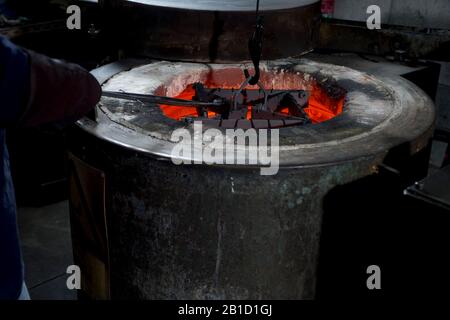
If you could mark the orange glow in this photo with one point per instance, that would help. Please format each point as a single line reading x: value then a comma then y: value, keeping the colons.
x: 321, y: 107
x: 178, y: 113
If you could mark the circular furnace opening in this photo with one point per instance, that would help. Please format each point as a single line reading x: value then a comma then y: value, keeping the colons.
x: 317, y: 100
x: 377, y: 114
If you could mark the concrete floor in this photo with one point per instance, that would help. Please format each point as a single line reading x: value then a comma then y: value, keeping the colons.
x: 47, y: 250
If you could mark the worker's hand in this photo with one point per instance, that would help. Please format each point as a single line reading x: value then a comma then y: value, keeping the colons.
x: 58, y: 91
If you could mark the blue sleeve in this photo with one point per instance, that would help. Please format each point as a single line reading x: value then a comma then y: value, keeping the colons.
x: 14, y: 82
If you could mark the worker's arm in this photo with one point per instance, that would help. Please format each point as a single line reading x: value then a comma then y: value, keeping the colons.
x: 14, y: 82
x: 43, y: 90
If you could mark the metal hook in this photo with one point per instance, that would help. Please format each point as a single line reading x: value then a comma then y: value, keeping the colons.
x: 243, y: 86
x: 255, y: 46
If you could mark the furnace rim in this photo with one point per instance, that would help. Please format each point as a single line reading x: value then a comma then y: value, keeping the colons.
x: 380, y: 114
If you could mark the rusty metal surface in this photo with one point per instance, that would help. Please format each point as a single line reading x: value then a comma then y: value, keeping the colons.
x: 215, y: 36
x: 88, y: 227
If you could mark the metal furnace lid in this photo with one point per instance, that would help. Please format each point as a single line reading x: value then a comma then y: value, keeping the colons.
x: 229, y: 5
